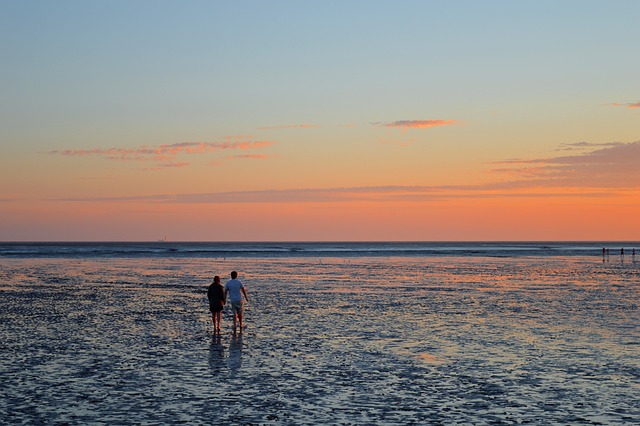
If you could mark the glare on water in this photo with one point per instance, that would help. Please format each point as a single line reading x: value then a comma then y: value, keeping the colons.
x: 359, y: 340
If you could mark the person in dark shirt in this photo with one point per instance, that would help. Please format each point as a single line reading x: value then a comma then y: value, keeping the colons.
x: 216, y: 297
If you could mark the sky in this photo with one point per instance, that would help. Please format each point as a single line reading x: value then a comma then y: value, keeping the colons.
x: 319, y: 120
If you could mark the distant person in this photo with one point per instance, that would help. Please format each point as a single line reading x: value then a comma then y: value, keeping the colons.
x: 217, y: 298
x: 234, y: 290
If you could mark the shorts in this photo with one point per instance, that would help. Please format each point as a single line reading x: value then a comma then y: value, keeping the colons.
x: 236, y: 307
x: 215, y: 309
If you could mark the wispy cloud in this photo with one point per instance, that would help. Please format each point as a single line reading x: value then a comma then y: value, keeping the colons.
x: 584, y: 145
x: 290, y: 126
x: 176, y: 165
x: 417, y: 124
x: 631, y: 105
x: 605, y: 172
x: 615, y: 166
x: 248, y: 157
x: 165, y: 154
x: 352, y: 194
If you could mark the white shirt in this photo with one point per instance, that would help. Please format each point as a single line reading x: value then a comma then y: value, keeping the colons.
x: 234, y: 286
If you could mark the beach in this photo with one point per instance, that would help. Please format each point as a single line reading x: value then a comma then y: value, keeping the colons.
x: 329, y: 340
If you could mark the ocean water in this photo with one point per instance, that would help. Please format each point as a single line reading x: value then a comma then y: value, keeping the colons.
x: 164, y: 249
x: 337, y: 333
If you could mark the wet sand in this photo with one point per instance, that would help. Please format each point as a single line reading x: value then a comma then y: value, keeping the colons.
x: 333, y: 341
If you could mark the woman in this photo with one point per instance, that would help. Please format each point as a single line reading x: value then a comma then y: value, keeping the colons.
x: 216, y: 302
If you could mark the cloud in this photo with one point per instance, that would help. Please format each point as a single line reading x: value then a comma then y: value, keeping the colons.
x: 290, y: 126
x: 584, y: 145
x: 519, y: 161
x: 614, y: 166
x: 183, y: 164
x: 417, y: 124
x: 166, y: 153
x: 248, y: 157
x: 604, y: 172
x: 630, y: 105
x: 351, y: 194
x: 166, y: 166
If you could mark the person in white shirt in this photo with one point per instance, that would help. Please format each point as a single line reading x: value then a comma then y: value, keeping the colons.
x: 233, y: 292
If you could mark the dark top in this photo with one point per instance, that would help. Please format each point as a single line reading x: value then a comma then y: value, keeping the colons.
x: 216, y: 295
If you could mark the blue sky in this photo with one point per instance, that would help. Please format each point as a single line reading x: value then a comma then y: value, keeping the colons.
x: 314, y: 87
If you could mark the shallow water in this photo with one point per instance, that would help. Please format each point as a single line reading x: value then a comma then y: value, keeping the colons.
x: 549, y: 340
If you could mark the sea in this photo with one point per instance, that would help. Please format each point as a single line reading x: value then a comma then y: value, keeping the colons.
x: 159, y: 249
x: 344, y: 333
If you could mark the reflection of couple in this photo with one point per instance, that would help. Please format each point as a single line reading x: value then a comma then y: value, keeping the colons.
x: 233, y: 290
x: 216, y: 354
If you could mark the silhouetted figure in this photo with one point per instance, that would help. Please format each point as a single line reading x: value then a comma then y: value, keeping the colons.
x: 217, y: 299
x: 234, y: 290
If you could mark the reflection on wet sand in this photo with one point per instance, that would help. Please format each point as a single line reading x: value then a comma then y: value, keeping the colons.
x: 232, y: 361
x: 454, y: 341
x: 216, y: 353
x: 235, y: 352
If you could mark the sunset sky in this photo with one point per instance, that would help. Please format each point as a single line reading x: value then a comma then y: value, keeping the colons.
x: 319, y: 120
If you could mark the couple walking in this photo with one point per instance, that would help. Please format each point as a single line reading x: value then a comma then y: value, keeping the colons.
x: 233, y: 291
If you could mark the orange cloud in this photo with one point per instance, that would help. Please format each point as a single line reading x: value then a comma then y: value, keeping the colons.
x: 605, y: 172
x: 419, y: 124
x: 631, y: 105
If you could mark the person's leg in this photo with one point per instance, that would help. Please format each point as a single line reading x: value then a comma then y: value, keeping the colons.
x: 219, y: 318
x: 213, y: 319
x: 235, y: 317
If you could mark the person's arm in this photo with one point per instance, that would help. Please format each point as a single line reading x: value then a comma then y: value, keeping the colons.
x: 245, y: 294
x: 226, y: 293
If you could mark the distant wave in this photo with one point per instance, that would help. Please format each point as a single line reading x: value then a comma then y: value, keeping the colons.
x: 163, y: 249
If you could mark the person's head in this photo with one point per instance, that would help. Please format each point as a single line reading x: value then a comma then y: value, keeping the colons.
x: 234, y: 275
x: 216, y: 279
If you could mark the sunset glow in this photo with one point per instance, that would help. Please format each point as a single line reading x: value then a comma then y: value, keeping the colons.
x: 311, y: 121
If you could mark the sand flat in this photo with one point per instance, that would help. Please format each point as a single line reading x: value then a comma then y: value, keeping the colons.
x: 455, y: 340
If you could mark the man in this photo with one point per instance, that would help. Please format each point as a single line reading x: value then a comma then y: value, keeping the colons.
x: 233, y: 292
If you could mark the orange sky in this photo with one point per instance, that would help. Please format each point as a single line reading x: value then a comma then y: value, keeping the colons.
x: 442, y: 122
